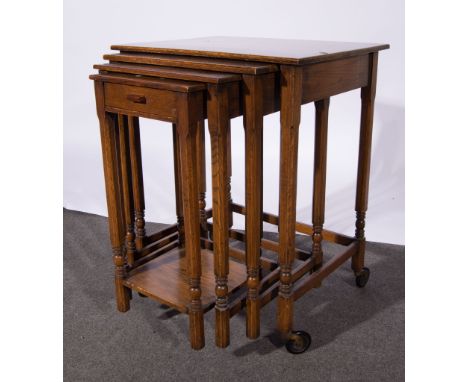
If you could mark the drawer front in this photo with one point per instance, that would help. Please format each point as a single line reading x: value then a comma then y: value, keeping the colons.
x: 161, y: 104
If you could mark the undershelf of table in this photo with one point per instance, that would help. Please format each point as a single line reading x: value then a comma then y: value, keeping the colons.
x: 164, y: 279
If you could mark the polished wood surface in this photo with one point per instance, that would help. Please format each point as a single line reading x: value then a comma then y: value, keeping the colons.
x: 327, y: 79
x: 304, y: 228
x: 201, y: 173
x: 165, y: 279
x: 109, y: 144
x: 154, y: 83
x: 320, y: 176
x: 127, y: 188
x: 320, y: 80
x: 315, y: 279
x: 219, y: 125
x: 280, y: 51
x: 188, y: 108
x: 190, y: 265
x: 125, y: 97
x: 146, y: 97
x: 363, y: 173
x: 184, y: 103
x: 138, y: 191
x: 253, y: 125
x: 227, y: 66
x: 291, y: 96
x: 178, y: 185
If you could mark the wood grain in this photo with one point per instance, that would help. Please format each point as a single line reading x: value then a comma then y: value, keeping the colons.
x: 189, y: 105
x: 279, y: 51
x: 178, y: 185
x: 364, y: 160
x: 253, y: 125
x: 165, y: 279
x: 304, y: 228
x: 326, y: 79
x: 201, y: 175
x: 218, y: 123
x: 320, y: 176
x: 229, y: 66
x: 109, y: 143
x: 127, y: 191
x: 137, y: 181
x: 184, y: 82
x: 291, y: 95
x: 157, y: 101
x: 168, y: 72
x: 149, y: 82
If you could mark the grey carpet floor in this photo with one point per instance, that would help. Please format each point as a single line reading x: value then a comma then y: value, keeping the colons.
x: 357, y: 334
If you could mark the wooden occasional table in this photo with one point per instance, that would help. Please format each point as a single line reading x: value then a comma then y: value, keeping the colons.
x: 307, y: 71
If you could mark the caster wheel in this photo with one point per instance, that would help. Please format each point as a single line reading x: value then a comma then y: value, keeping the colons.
x: 298, y: 342
x: 142, y: 295
x: 362, y: 278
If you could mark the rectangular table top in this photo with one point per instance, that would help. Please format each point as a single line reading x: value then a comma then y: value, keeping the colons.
x: 169, y: 72
x: 203, y: 63
x: 279, y: 51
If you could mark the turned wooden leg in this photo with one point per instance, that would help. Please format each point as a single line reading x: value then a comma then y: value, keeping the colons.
x: 127, y: 193
x: 218, y: 123
x: 291, y: 93
x: 137, y: 180
x: 187, y: 133
x: 320, y: 176
x: 365, y: 144
x: 178, y: 185
x: 110, y: 145
x: 201, y: 176
x: 253, y: 125
x: 229, y: 194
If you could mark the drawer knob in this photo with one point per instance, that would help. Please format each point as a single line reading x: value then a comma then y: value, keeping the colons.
x: 136, y: 98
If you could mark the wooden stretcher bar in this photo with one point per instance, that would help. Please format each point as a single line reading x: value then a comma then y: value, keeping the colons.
x: 303, y: 228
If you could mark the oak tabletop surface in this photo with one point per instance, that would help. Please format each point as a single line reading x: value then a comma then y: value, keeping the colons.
x: 280, y: 51
x: 168, y: 72
x: 204, y: 63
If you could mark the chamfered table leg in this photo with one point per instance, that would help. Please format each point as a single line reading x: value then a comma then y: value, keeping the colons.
x: 201, y: 179
x: 110, y: 145
x: 219, y: 122
x: 253, y: 124
x: 365, y: 144
x: 291, y: 94
x: 187, y: 133
x: 201, y: 175
x: 320, y: 176
x: 178, y: 185
x: 137, y: 179
x: 229, y: 193
x: 127, y: 194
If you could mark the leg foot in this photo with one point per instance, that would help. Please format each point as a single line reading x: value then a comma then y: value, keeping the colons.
x: 122, y: 298
x: 197, y: 333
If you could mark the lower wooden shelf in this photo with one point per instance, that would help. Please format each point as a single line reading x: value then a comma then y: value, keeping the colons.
x: 164, y: 279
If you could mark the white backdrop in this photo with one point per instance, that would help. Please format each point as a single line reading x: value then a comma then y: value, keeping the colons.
x: 90, y: 27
